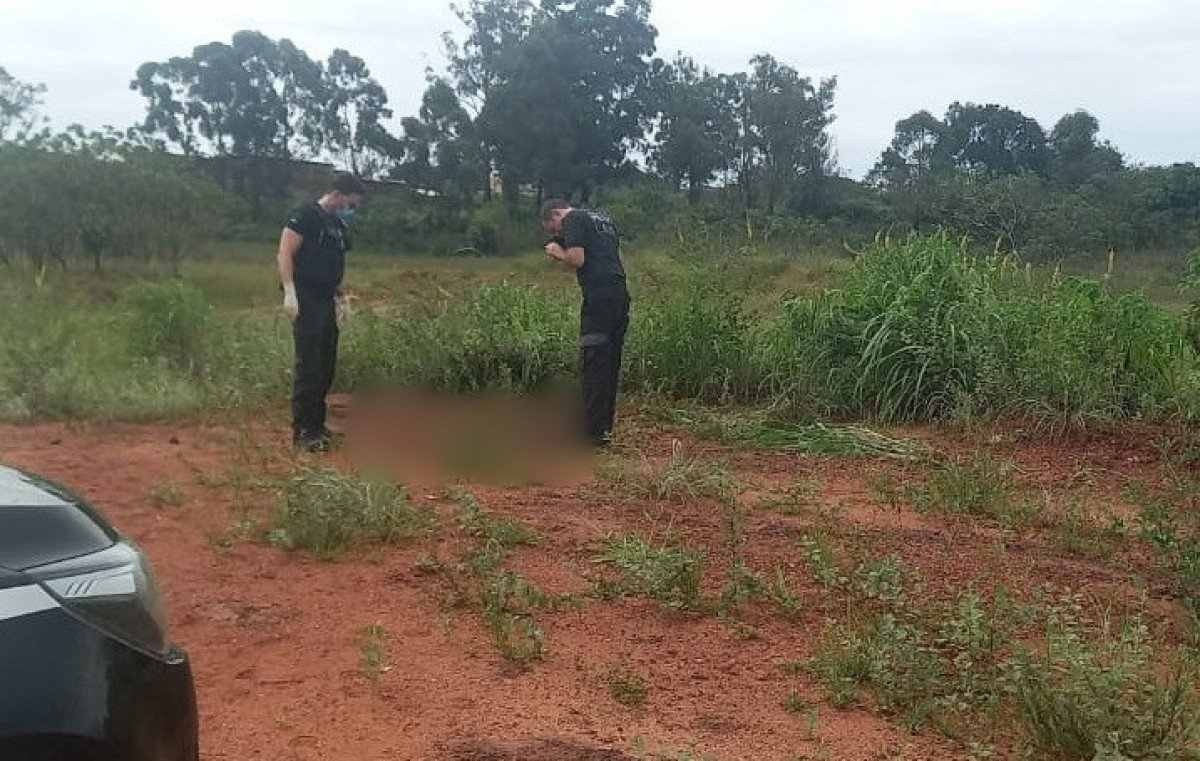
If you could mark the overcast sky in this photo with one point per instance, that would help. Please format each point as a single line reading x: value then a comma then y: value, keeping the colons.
x: 1135, y: 64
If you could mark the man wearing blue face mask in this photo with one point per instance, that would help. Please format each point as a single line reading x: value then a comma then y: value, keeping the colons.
x: 312, y: 261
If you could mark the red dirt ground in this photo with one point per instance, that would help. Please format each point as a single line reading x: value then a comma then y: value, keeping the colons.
x: 274, y: 636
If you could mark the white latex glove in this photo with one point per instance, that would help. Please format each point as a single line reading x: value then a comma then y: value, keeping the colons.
x: 342, y: 305
x: 291, y: 305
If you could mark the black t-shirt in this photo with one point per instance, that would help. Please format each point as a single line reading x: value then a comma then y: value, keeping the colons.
x: 321, y: 260
x: 596, y: 234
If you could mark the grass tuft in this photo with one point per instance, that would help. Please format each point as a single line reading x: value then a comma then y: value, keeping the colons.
x: 669, y: 574
x: 327, y: 512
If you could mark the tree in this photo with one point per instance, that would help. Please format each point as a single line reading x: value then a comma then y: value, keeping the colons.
x: 989, y: 139
x: 789, y: 118
x: 354, y: 115
x: 916, y: 152
x: 494, y: 27
x: 694, y: 126
x: 1076, y: 156
x: 557, y: 89
x: 254, y: 97
x: 100, y: 195
x: 441, y: 149
x: 19, y: 107
x: 993, y: 139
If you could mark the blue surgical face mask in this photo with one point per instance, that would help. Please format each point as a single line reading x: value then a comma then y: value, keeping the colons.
x: 346, y: 214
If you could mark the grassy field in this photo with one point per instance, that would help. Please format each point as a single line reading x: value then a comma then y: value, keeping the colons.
x: 915, y: 499
x: 909, y: 331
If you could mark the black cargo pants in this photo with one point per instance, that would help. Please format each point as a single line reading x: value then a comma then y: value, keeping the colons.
x: 316, y: 337
x: 603, y: 321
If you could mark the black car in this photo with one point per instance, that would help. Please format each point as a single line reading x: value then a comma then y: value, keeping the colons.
x: 87, y: 672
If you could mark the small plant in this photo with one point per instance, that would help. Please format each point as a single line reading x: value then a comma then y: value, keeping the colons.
x: 684, y: 477
x: 780, y: 592
x: 166, y: 495
x: 887, y: 489
x: 1108, y: 699
x: 627, y: 687
x: 497, y: 535
x: 1178, y: 549
x: 743, y: 585
x: 971, y: 636
x: 508, y: 604
x: 669, y: 574
x: 794, y: 668
x: 936, y: 670
x: 793, y: 500
x: 326, y: 512
x: 881, y: 580
x: 892, y: 657
x: 372, y: 648
x: 842, y: 665
x: 982, y: 487
x: 1081, y: 532
x: 1159, y: 524
x: 820, y: 558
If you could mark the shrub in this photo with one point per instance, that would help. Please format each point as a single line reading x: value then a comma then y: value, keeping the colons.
x: 924, y: 330
x: 168, y: 320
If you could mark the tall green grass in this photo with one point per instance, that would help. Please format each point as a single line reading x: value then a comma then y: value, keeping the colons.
x: 501, y: 336
x: 923, y: 330
x: 918, y: 330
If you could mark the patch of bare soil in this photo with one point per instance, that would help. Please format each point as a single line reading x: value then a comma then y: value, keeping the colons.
x: 275, y: 637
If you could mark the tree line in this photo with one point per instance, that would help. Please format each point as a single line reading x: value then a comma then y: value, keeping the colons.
x: 571, y: 99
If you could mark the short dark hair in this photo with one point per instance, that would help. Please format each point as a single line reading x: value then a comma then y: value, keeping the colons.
x: 552, y: 205
x: 348, y: 185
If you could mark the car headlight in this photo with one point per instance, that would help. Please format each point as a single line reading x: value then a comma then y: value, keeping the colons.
x: 114, y: 592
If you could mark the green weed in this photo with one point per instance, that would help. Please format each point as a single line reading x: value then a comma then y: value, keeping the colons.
x: 1107, y: 699
x: 1080, y: 531
x: 508, y: 603
x: 669, y: 574
x: 793, y: 703
x: 793, y: 500
x: 779, y: 591
x: 881, y: 579
x: 742, y: 586
x: 939, y: 670
x: 980, y: 486
x: 497, y: 535
x: 327, y: 512
x: 819, y: 553
x: 685, y: 477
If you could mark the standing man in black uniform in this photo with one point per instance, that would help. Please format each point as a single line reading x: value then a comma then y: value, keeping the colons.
x: 312, y: 260
x: 587, y: 242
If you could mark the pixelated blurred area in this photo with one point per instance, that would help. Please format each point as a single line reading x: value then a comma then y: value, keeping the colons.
x: 494, y: 439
